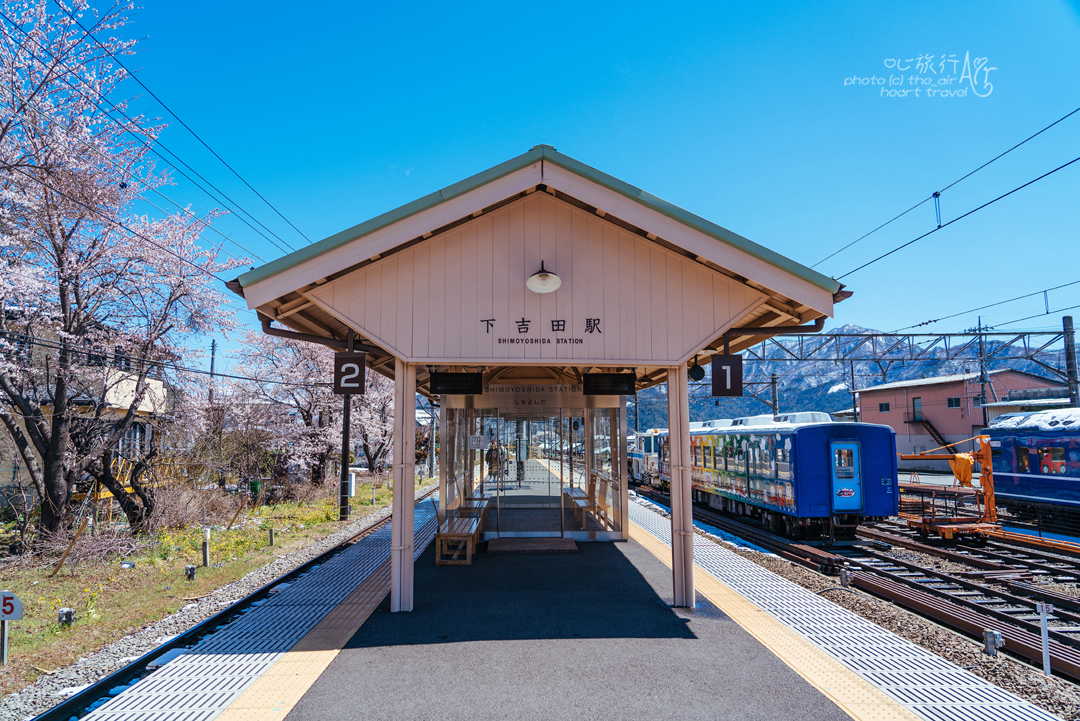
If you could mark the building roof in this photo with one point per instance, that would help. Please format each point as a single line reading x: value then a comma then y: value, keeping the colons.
x: 548, y: 154
x: 942, y: 380
x: 1029, y: 403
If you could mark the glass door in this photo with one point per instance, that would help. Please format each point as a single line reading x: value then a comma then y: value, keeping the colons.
x: 530, y: 460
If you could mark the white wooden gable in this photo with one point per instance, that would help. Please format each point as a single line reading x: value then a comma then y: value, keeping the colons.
x: 460, y: 296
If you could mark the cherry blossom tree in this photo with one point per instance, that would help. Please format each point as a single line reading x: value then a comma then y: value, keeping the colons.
x: 97, y: 301
x: 292, y: 379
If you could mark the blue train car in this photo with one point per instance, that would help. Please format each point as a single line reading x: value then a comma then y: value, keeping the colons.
x: 1037, y: 461
x: 804, y: 480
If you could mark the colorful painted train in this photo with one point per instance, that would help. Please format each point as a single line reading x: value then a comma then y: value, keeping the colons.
x: 1037, y: 462
x: 801, y: 475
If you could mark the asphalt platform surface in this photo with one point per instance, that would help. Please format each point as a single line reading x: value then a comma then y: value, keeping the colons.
x: 584, y: 635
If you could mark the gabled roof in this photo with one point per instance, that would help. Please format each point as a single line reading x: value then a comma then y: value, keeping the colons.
x: 548, y: 154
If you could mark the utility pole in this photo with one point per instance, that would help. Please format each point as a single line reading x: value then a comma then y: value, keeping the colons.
x: 984, y: 377
x: 775, y: 398
x: 854, y: 403
x: 1070, y: 361
x: 213, y: 353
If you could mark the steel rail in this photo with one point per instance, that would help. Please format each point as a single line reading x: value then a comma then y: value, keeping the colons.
x: 1063, y: 659
x: 76, y: 706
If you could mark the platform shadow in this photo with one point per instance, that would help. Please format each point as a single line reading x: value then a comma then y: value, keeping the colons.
x: 606, y: 590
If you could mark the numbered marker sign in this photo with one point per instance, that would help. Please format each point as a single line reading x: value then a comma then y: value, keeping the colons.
x: 727, y: 375
x: 10, y: 607
x: 349, y: 373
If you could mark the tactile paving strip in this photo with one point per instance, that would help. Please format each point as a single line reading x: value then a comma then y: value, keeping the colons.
x: 927, y: 684
x: 202, y: 683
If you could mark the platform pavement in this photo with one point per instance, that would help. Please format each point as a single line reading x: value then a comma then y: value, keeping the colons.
x: 586, y: 635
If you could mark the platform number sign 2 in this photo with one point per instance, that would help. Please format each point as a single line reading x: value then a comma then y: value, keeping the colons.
x: 727, y: 375
x: 349, y: 373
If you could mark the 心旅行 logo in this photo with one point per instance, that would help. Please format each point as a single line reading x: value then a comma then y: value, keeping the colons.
x: 930, y: 76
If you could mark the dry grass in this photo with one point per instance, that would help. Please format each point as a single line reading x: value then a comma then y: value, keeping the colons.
x: 112, y: 602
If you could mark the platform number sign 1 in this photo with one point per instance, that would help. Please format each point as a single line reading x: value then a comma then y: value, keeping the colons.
x: 11, y: 609
x: 727, y: 375
x: 349, y: 373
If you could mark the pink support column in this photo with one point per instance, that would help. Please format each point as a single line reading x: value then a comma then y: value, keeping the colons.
x: 682, y: 517
x: 401, y: 549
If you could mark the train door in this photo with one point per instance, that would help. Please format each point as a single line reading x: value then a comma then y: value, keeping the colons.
x: 846, y: 475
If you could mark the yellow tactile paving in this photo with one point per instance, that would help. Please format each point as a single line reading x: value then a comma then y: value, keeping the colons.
x: 275, y: 693
x: 846, y: 689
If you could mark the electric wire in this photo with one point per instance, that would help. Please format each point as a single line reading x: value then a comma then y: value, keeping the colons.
x: 984, y: 307
x: 1037, y: 315
x: 116, y: 165
x: 54, y: 345
x: 239, y: 212
x: 181, y: 121
x: 965, y: 177
x: 124, y: 226
x: 961, y: 217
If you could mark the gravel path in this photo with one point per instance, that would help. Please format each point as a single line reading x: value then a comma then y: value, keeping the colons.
x: 1056, y: 695
x: 47, y: 690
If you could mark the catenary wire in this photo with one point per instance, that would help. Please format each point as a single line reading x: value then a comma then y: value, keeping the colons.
x: 181, y: 121
x: 965, y: 177
x: 984, y: 307
x: 239, y: 212
x: 961, y: 217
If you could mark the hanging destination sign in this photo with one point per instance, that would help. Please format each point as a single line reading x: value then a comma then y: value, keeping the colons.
x: 609, y: 384
x: 461, y: 384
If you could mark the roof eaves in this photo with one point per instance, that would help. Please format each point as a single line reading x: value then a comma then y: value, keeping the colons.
x: 690, y: 219
x: 389, y: 218
x: 539, y: 152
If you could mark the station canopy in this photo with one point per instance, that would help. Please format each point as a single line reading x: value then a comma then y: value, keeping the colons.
x: 441, y: 282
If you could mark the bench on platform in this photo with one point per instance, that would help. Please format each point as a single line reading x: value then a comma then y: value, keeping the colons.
x: 454, y: 536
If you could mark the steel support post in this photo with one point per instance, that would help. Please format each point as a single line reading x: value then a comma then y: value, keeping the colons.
x: 682, y: 518
x: 343, y: 484
x: 624, y: 473
x: 1070, y: 361
x: 401, y: 543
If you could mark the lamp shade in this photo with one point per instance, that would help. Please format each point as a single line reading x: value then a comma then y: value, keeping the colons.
x: 543, y: 281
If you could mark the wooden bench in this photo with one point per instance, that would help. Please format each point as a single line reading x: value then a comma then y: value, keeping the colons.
x: 454, y: 536
x: 580, y: 504
x: 474, y: 508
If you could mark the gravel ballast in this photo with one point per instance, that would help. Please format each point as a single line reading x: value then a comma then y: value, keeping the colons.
x: 1055, y: 695
x: 51, y: 689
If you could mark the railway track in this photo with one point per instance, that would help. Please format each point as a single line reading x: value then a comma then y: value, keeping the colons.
x: 80, y: 704
x: 996, y: 594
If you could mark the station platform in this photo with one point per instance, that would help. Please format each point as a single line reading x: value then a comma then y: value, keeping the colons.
x: 570, y: 635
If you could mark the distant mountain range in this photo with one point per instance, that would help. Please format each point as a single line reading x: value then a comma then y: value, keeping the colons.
x: 826, y: 385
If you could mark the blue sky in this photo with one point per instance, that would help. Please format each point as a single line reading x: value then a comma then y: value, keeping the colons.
x: 736, y: 111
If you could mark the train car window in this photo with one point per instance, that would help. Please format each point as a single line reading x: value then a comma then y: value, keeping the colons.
x: 729, y: 458
x: 1052, y: 460
x: 1022, y: 463
x: 844, y: 461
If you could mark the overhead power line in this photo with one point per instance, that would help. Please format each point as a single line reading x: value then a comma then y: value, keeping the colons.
x: 984, y: 307
x: 1038, y: 315
x: 124, y: 226
x: 961, y: 217
x: 239, y: 210
x: 180, y: 120
x: 938, y: 193
x: 54, y: 345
